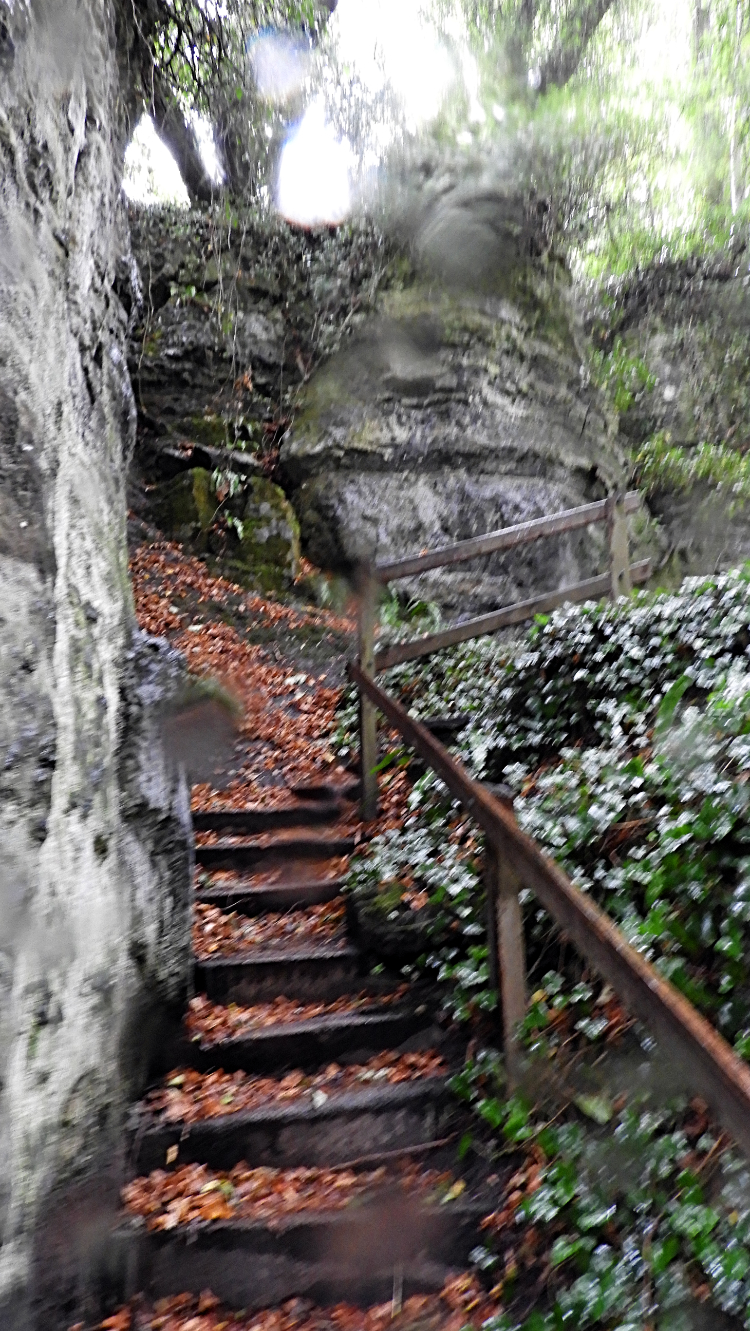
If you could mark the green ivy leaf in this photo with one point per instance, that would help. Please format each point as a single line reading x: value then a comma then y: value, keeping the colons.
x: 693, y: 1221
x: 566, y: 1247
x: 596, y: 1107
x: 670, y: 703
x: 663, y: 1251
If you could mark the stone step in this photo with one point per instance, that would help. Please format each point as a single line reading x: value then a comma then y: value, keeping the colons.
x: 245, y: 822
x: 283, y: 895
x: 347, y: 1126
x: 309, y: 1044
x: 323, y: 972
x: 351, y: 1255
x: 270, y: 850
x: 348, y: 788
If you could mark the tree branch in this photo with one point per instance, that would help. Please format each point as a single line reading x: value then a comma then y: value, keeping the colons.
x: 575, y: 34
x: 178, y: 137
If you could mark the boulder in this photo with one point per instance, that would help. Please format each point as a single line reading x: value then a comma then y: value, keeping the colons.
x: 232, y: 319
x: 686, y: 322
x: 681, y: 365
x: 269, y: 543
x: 184, y: 506
x: 255, y: 530
x: 453, y: 412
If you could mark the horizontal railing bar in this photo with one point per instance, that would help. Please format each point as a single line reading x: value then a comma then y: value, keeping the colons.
x: 505, y: 538
x: 705, y: 1059
x: 516, y: 613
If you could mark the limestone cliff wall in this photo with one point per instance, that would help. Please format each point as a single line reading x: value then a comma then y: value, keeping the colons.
x: 94, y: 872
x: 685, y: 323
x: 423, y: 378
x: 461, y: 405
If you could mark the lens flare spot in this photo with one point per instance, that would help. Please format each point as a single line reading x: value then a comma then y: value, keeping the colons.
x: 313, y: 186
x: 280, y: 63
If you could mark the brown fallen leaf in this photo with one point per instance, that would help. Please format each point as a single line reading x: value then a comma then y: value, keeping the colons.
x: 211, y: 1023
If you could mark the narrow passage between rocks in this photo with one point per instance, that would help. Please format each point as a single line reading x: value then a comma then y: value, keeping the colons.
x: 295, y: 1164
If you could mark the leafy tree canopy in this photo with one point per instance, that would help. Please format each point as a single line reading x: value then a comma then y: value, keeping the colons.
x: 630, y: 117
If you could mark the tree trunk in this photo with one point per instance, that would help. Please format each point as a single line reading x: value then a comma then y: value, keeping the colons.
x: 576, y: 32
x: 177, y: 135
x: 244, y: 164
x: 94, y: 883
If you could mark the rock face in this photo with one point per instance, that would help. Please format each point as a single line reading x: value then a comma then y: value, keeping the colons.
x: 263, y: 522
x: 95, y: 876
x: 689, y: 323
x: 423, y: 388
x: 236, y: 313
x: 459, y: 407
x: 683, y: 331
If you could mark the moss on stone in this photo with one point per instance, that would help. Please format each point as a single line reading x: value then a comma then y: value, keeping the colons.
x: 369, y: 436
x: 152, y: 340
x: 210, y: 430
x: 184, y: 506
x: 328, y: 389
x: 269, y: 545
x: 410, y: 302
x: 463, y: 323
x: 264, y: 537
x: 204, y: 497
x: 537, y: 306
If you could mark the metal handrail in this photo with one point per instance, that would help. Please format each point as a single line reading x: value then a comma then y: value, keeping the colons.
x: 506, y: 538
x: 590, y: 590
x: 515, y: 861
x: 618, y: 581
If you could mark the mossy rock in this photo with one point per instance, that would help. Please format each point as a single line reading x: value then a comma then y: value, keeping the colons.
x: 184, y: 506
x: 269, y: 545
x: 264, y: 540
x: 210, y: 430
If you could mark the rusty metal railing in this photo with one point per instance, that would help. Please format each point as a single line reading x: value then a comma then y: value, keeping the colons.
x: 514, y: 860
x: 618, y: 581
x: 711, y: 1067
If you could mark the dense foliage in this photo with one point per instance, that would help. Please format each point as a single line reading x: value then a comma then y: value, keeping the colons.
x: 642, y: 151
x: 662, y: 465
x: 624, y: 732
x: 624, y: 1212
x: 630, y: 117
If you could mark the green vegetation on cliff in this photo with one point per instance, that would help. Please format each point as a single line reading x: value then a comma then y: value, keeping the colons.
x: 624, y: 733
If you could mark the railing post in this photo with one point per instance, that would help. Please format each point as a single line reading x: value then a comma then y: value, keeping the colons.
x: 619, y: 555
x: 368, y: 733
x: 511, y: 955
x: 490, y: 888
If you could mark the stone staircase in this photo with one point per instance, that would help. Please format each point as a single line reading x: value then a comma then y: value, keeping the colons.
x: 412, y: 1224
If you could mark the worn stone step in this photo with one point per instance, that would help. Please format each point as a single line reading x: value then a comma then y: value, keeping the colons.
x: 323, y: 972
x: 268, y: 850
x: 349, y: 1125
x: 347, y: 1255
x: 290, y: 869
x: 348, y: 788
x: 309, y: 1044
x: 246, y: 822
x: 283, y: 895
